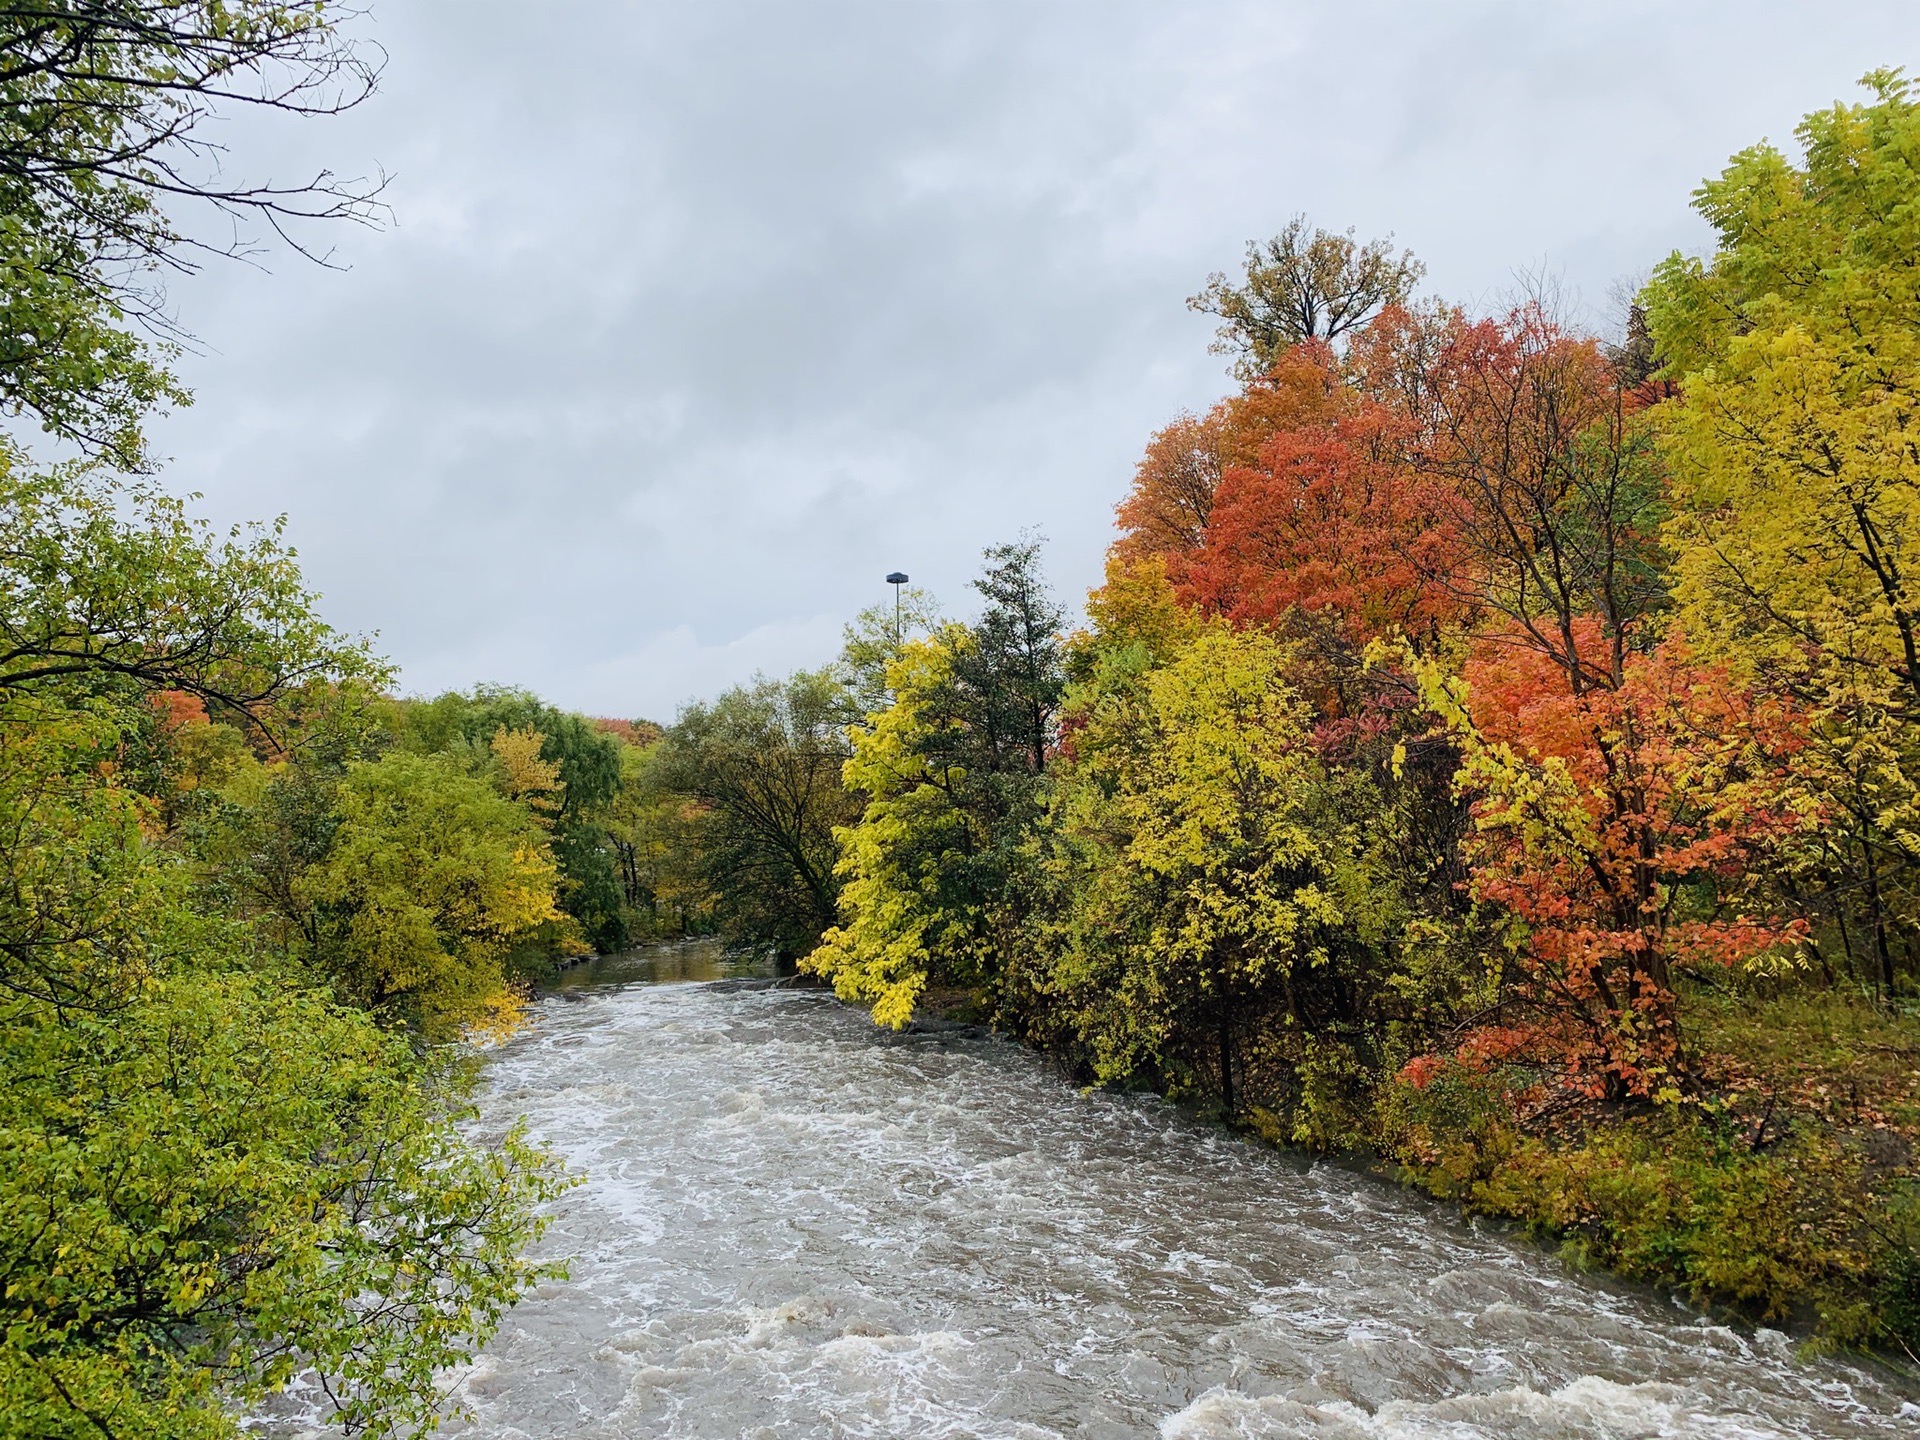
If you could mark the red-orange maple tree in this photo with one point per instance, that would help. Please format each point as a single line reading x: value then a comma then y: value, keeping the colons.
x: 1617, y: 826
x: 1170, y: 506
x: 1335, y: 532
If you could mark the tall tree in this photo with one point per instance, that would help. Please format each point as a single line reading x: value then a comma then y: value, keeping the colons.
x: 1012, y: 673
x: 1796, y: 347
x: 764, y: 762
x: 1303, y: 284
x: 952, y: 772
x: 104, y: 106
x: 216, y: 1173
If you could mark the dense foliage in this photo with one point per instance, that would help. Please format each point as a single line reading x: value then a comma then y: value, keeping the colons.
x: 244, y: 929
x: 761, y: 764
x: 228, y: 940
x: 1493, y: 749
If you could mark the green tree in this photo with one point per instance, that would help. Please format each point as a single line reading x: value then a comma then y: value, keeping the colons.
x: 1303, y: 285
x: 430, y: 878
x: 103, y: 105
x: 874, y: 638
x: 656, y: 834
x: 105, y: 581
x: 589, y: 772
x: 764, y: 762
x: 225, y: 1181
x: 953, y: 772
x: 211, y: 1172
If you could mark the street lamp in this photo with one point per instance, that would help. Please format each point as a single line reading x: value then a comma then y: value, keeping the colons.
x: 896, y: 578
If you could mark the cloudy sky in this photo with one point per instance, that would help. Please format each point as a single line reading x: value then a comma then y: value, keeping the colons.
x: 695, y: 319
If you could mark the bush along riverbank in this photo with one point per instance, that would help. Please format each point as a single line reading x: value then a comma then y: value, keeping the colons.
x: 1495, y: 747
x: 1784, y: 1193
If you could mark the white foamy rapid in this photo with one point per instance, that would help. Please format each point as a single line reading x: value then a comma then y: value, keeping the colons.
x: 794, y: 1225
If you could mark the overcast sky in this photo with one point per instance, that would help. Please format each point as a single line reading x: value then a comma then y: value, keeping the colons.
x: 696, y: 319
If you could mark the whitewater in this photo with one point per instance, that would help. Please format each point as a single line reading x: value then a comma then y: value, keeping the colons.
x: 795, y: 1225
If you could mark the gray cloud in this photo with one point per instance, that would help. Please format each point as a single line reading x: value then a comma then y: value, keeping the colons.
x: 696, y: 319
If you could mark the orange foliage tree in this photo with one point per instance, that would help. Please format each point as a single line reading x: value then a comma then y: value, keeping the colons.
x: 1170, y: 506
x: 1334, y: 534
x: 1616, y: 826
x: 1494, y: 485
x: 1560, y: 490
x: 1622, y: 791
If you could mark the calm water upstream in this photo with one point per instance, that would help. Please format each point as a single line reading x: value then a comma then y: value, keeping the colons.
x: 796, y: 1226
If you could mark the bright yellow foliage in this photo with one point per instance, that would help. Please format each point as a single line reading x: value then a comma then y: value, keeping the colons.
x: 898, y: 921
x: 1203, y: 875
x: 1795, y: 452
x: 1137, y: 606
x: 1795, y: 457
x: 525, y: 777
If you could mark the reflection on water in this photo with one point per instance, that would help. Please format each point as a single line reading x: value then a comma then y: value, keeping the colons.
x: 795, y: 1225
x: 685, y: 960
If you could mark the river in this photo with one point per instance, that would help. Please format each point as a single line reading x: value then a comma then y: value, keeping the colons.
x: 794, y: 1225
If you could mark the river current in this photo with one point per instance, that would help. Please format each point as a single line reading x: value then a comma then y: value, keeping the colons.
x: 795, y: 1225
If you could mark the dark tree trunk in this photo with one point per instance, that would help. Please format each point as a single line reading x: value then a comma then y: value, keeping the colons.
x: 1226, y: 1055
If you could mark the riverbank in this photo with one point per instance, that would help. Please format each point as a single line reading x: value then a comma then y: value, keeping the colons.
x: 1785, y: 1190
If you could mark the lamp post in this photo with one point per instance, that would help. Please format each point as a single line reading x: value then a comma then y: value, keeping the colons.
x: 896, y: 578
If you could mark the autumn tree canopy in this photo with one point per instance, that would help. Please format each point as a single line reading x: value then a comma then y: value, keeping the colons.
x: 1303, y: 284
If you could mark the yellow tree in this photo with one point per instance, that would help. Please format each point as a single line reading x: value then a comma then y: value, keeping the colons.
x: 955, y: 772
x: 1795, y: 454
x: 431, y: 878
x: 902, y: 917
x: 524, y: 776
x: 1210, y: 878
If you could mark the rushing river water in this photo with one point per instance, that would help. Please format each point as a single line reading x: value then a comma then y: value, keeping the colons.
x: 794, y: 1225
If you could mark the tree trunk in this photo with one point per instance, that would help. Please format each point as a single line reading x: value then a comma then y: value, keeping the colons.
x: 1226, y: 1054
x: 1881, y: 950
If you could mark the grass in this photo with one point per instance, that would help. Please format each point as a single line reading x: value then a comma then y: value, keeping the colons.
x: 1785, y: 1190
